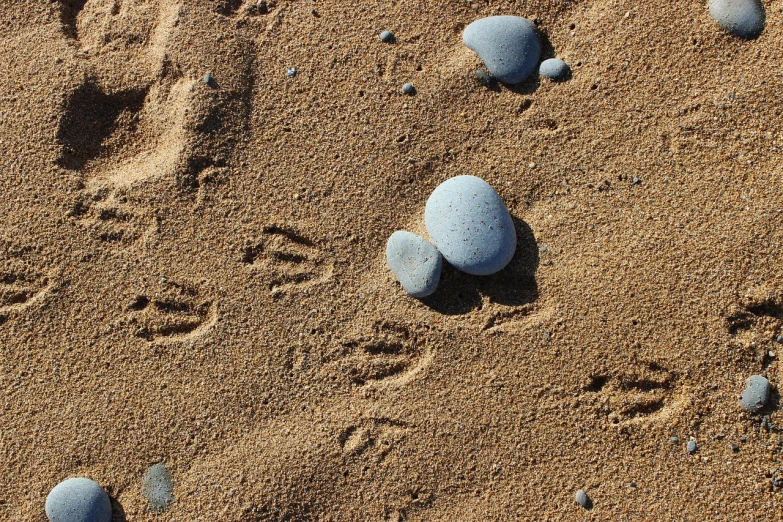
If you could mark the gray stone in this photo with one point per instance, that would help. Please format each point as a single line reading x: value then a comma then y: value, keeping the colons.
x: 743, y: 18
x: 675, y: 439
x: 387, y: 37
x: 208, y: 79
x: 408, y: 88
x: 291, y: 72
x: 415, y: 262
x: 779, y: 338
x: 554, y: 69
x: 78, y: 500
x: 508, y: 46
x: 470, y: 225
x: 158, y: 487
x: 756, y: 393
x: 582, y: 499
x: 691, y: 446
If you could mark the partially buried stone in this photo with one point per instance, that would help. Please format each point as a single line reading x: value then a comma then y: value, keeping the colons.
x: 470, y: 225
x: 78, y: 500
x: 756, y: 393
x: 554, y: 69
x: 508, y: 46
x: 416, y: 263
x: 408, y: 88
x: 582, y: 499
x: 387, y: 37
x: 743, y: 18
x: 158, y: 487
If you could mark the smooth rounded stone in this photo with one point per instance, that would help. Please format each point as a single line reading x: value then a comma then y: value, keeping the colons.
x: 743, y: 18
x: 408, y: 88
x: 691, y: 447
x: 582, y: 499
x: 470, y: 225
x: 158, y: 487
x: 554, y: 69
x: 415, y: 262
x: 756, y: 393
x: 291, y: 72
x: 387, y: 37
x: 508, y: 46
x: 78, y: 500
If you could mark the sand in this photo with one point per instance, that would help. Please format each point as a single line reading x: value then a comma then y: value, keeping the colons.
x: 195, y: 275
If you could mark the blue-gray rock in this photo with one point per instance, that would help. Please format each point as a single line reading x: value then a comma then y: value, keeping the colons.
x: 78, y: 500
x: 743, y: 18
x: 675, y: 439
x: 582, y: 499
x: 208, y: 79
x: 554, y: 69
x: 756, y: 393
x: 387, y: 36
x: 291, y: 72
x: 408, y: 88
x: 691, y: 446
x: 508, y: 46
x: 415, y: 262
x: 158, y: 487
x: 470, y: 225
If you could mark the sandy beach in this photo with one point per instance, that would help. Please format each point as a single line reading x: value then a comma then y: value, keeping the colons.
x: 193, y: 273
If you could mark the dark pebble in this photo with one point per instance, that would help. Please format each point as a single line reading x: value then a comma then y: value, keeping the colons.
x: 734, y: 448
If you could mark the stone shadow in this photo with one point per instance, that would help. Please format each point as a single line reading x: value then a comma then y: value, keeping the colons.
x: 459, y: 293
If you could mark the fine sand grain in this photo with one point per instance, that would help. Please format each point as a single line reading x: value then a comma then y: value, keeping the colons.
x: 195, y: 275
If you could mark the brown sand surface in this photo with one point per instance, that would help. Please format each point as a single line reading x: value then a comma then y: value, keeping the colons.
x: 195, y: 275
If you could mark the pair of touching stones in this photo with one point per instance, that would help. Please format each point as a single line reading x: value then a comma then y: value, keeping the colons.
x: 469, y: 226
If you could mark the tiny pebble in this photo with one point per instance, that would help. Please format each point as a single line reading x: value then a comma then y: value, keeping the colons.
x: 691, y: 446
x: 158, y: 487
x: 408, y: 88
x: 208, y: 79
x: 756, y: 393
x: 582, y: 499
x: 554, y: 69
x: 291, y: 72
x: 779, y: 338
x: 543, y: 249
x: 675, y: 439
x: 734, y: 448
x: 78, y: 500
x: 633, y: 484
x: 387, y: 36
x: 636, y: 181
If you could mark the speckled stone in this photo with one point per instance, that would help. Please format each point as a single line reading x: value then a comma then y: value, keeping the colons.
x: 470, y: 225
x: 743, y: 18
x: 756, y: 393
x: 554, y: 69
x: 415, y: 262
x: 78, y: 500
x: 158, y: 487
x: 508, y: 45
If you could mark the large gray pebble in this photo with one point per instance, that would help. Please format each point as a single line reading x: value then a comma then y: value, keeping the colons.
x: 744, y: 18
x: 470, y: 225
x: 158, y: 487
x: 415, y: 262
x: 508, y: 46
x: 554, y: 69
x: 78, y: 500
x: 756, y: 393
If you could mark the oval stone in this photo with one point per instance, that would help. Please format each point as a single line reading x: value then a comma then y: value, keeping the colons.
x: 508, y: 46
x: 756, y: 393
x: 415, y: 262
x: 158, y: 487
x: 470, y: 225
x: 744, y: 18
x: 554, y: 69
x: 78, y: 500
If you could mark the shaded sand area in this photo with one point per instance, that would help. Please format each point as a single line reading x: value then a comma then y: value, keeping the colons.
x: 195, y: 274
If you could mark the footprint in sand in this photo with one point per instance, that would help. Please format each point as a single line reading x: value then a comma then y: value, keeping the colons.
x: 124, y: 135
x: 373, y: 438
x: 287, y: 261
x: 174, y: 314
x: 22, y: 283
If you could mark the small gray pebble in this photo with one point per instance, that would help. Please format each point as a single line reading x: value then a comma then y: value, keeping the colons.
x: 416, y: 263
x: 291, y: 72
x: 78, y: 500
x: 691, y: 446
x: 636, y: 181
x: 158, y: 487
x: 734, y: 448
x: 633, y: 484
x: 779, y: 338
x: 470, y: 225
x: 508, y: 46
x: 554, y: 69
x: 675, y: 439
x: 756, y: 393
x: 582, y: 499
x: 408, y: 88
x: 743, y: 18
x: 208, y: 79
x: 387, y: 37
x: 543, y: 249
